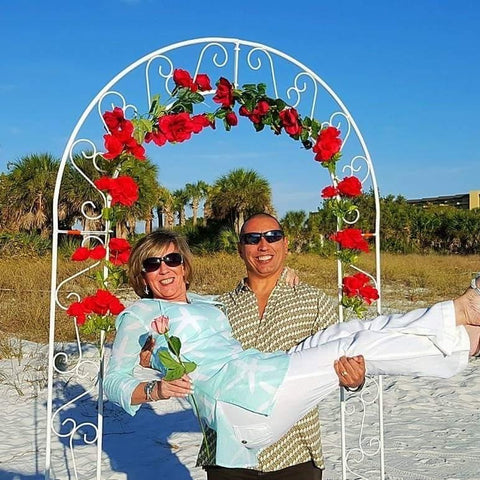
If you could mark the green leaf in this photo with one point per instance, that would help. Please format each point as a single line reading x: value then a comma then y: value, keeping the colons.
x: 262, y: 88
x: 167, y: 360
x: 189, y: 366
x: 174, y: 373
x: 174, y: 344
x: 153, y: 106
x: 280, y: 104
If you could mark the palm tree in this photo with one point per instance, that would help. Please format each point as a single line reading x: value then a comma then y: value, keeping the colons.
x: 294, y: 223
x: 180, y: 197
x: 165, y: 208
x: 84, y: 201
x: 239, y: 193
x: 31, y: 183
x: 196, y: 192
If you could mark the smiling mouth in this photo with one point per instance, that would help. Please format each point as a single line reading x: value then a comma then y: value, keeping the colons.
x: 166, y: 281
x: 264, y: 258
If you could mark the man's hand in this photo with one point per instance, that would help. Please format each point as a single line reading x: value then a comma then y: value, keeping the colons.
x: 291, y: 277
x: 350, y: 371
x: 146, y: 352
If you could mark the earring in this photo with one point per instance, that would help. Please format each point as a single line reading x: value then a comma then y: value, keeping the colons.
x: 146, y: 290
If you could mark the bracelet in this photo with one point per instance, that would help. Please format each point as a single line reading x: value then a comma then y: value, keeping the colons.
x: 357, y: 389
x: 148, y: 389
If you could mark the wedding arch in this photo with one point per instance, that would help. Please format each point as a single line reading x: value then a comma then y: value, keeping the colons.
x: 274, y: 91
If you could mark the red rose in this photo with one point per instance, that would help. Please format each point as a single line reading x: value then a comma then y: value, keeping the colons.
x: 327, y: 145
x: 262, y: 108
x: 289, y: 119
x: 119, y: 251
x: 255, y: 116
x: 99, y: 302
x: 358, y: 285
x: 157, y: 137
x: 77, y: 310
x: 123, y: 189
x: 224, y: 93
x: 369, y: 293
x: 134, y: 148
x: 203, y: 82
x: 244, y: 111
x: 177, y: 127
x: 351, y: 285
x: 117, y: 143
x: 231, y: 118
x: 113, y: 145
x: 103, y: 183
x: 199, y: 122
x: 80, y: 254
x: 117, y: 124
x: 329, y: 192
x: 98, y: 252
x: 350, y: 187
x: 351, y: 238
x: 183, y: 79
x: 114, y: 119
x: 252, y: 116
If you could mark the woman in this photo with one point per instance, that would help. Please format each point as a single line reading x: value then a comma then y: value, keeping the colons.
x: 251, y: 398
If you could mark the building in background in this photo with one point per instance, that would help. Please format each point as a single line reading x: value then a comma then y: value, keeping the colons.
x: 464, y: 201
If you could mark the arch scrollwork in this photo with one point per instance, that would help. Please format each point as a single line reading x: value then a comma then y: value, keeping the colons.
x: 159, y: 66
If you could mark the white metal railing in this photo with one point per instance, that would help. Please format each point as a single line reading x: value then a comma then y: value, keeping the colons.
x: 236, y: 60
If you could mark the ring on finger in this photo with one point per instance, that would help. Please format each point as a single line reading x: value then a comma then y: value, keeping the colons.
x: 344, y: 373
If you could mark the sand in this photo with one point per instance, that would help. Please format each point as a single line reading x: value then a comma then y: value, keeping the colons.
x: 432, y: 428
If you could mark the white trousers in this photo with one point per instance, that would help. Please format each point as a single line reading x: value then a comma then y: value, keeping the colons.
x: 424, y: 342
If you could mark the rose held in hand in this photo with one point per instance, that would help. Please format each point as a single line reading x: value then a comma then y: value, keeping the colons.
x: 160, y: 325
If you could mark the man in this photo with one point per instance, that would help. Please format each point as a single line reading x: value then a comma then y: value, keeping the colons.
x: 267, y: 314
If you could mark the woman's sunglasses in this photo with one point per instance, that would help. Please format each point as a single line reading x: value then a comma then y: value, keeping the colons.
x: 253, y: 238
x: 151, y: 264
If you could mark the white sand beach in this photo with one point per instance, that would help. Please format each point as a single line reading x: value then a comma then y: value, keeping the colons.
x: 432, y: 429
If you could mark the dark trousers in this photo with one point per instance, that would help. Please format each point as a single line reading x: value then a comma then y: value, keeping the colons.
x: 303, y: 471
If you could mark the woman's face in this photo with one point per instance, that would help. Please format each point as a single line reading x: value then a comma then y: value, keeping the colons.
x: 167, y: 282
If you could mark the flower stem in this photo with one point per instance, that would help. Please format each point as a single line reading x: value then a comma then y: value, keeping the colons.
x: 195, y: 406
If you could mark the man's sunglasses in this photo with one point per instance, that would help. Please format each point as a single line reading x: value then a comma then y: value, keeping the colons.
x: 253, y: 238
x: 151, y: 264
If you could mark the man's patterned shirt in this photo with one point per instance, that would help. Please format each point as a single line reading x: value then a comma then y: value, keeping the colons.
x: 291, y: 314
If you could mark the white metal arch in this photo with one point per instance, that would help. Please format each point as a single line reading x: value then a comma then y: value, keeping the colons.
x: 236, y: 60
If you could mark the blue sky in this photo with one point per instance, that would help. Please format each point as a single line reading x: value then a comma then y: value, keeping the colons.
x: 407, y: 71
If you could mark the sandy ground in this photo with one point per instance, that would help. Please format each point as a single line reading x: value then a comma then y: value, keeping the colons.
x: 432, y: 429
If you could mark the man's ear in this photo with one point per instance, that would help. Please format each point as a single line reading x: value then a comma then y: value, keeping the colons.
x: 286, y: 244
x: 239, y: 249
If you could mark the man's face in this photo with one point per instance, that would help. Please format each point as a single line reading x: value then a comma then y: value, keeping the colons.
x: 263, y: 259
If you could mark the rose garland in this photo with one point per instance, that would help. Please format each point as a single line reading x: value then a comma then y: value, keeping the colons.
x: 176, y: 123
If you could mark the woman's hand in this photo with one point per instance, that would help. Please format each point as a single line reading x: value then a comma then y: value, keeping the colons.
x: 350, y: 371
x: 174, y: 388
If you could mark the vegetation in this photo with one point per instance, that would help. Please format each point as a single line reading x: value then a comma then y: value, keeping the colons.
x: 408, y: 281
x: 217, y: 212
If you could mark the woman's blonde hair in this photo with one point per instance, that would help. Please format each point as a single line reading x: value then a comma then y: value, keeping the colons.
x: 150, y: 246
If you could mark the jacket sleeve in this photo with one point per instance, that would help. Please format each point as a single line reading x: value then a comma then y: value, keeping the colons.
x: 119, y: 378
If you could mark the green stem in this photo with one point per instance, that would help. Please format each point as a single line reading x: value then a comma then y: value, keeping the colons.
x: 195, y: 406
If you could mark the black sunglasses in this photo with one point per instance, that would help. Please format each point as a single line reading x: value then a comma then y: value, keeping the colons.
x: 151, y: 264
x: 253, y: 238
